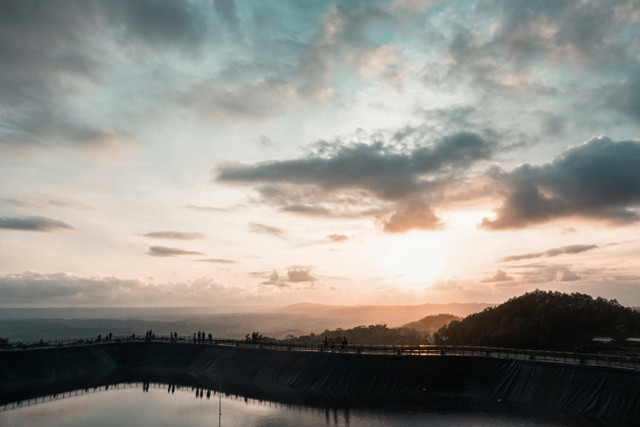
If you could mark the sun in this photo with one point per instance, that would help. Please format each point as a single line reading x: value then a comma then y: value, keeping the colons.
x: 415, y: 257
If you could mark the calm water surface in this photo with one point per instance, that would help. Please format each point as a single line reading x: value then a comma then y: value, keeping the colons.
x: 162, y: 405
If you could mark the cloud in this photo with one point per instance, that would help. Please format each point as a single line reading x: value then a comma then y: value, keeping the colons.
x: 571, y: 249
x: 56, y: 52
x: 546, y: 273
x: 175, y: 235
x: 33, y: 223
x: 274, y: 280
x: 265, y: 142
x: 162, y: 251
x: 206, y: 208
x: 599, y: 179
x: 284, y: 70
x: 31, y: 289
x: 266, y: 229
x: 584, y: 34
x: 227, y: 11
x: 625, y: 96
x: 500, y: 276
x: 349, y: 179
x: 218, y: 261
x: 337, y: 238
x: 307, y: 210
x: 412, y: 217
x: 388, y: 172
x: 294, y: 275
x: 48, y: 202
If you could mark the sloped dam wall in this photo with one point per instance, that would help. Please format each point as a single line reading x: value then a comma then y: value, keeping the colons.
x: 325, y: 378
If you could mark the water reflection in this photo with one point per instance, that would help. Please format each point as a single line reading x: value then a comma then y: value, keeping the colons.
x: 159, y: 404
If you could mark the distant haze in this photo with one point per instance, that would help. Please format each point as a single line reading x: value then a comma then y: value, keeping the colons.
x: 299, y: 319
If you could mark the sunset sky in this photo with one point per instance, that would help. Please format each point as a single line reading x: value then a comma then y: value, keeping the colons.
x: 168, y: 153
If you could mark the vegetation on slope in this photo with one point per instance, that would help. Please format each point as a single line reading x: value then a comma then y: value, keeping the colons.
x: 543, y: 320
x: 430, y: 324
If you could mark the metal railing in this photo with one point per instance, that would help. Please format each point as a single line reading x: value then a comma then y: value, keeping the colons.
x: 609, y: 360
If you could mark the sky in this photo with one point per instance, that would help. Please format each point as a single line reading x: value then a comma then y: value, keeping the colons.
x: 180, y: 153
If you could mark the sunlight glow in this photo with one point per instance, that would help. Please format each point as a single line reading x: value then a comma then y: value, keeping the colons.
x: 415, y: 257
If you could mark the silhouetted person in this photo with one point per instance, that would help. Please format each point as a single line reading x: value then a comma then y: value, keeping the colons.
x: 194, y: 337
x: 99, y: 337
x: 210, y: 338
x: 345, y: 343
x: 326, y: 342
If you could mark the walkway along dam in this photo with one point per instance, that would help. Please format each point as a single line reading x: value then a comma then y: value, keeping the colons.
x: 606, y: 388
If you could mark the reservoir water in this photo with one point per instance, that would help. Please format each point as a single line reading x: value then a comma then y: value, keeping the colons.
x: 145, y: 404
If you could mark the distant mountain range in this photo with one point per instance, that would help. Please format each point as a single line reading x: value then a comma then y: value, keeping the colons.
x: 231, y: 322
x: 391, y: 315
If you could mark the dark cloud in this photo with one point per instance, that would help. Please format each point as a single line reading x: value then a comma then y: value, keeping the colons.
x: 501, y: 59
x: 275, y: 280
x: 338, y: 238
x: 33, y: 223
x: 47, y: 202
x: 160, y: 23
x: 227, y: 10
x: 309, y: 210
x: 175, y: 235
x: 500, y: 276
x: 162, y: 251
x: 218, y: 261
x: 266, y: 142
x: 385, y: 171
x: 599, y: 179
x: 266, y: 229
x: 526, y: 32
x: 52, y: 51
x: 365, y: 176
x: 571, y: 249
x: 294, y: 275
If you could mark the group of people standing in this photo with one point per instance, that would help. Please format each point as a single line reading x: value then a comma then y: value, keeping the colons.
x: 201, y: 336
x: 107, y: 337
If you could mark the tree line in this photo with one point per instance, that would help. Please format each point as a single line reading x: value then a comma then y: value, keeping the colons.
x: 544, y: 320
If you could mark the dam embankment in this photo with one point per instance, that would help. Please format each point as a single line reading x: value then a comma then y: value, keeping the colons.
x: 325, y: 378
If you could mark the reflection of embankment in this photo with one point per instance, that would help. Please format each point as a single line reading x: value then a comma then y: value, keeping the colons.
x: 325, y: 378
x: 200, y: 393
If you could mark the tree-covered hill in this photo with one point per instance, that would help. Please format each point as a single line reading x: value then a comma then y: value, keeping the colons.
x: 544, y: 320
x: 430, y: 324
